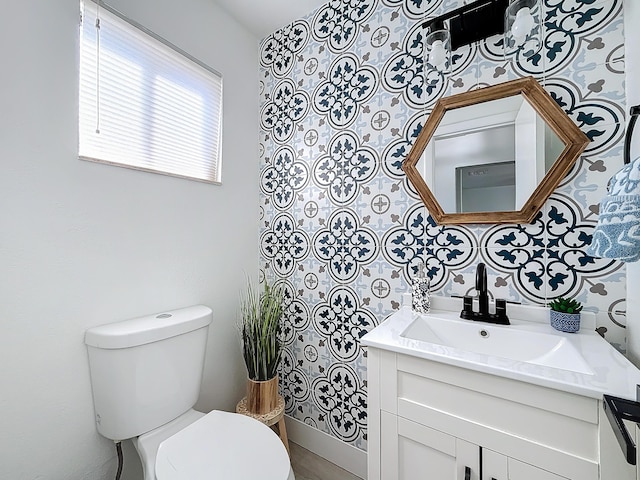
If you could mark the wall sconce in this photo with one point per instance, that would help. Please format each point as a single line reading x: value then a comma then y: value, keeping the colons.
x: 523, y: 27
x: 521, y: 19
x: 438, y: 48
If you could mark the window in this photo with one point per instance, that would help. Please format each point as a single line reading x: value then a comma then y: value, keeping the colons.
x: 144, y: 103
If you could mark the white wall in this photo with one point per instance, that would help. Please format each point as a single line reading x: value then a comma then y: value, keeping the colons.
x: 632, y: 65
x: 83, y: 244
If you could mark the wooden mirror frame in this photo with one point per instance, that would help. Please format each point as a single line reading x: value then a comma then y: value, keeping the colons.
x: 574, y: 139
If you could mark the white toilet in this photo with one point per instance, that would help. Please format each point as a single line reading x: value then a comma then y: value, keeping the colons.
x: 146, y: 375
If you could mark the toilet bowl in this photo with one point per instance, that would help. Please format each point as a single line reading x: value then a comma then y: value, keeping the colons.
x: 227, y: 445
x: 219, y: 444
x: 145, y: 377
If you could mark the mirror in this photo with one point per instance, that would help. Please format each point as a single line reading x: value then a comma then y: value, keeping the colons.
x: 493, y: 155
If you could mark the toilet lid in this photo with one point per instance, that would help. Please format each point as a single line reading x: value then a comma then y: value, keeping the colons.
x: 223, y: 445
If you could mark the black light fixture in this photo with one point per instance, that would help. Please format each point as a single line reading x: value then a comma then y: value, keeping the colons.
x: 470, y: 23
x: 520, y: 19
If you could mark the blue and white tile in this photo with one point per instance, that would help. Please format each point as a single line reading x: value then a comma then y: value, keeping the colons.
x: 398, y: 148
x: 379, y: 288
x: 612, y: 332
x: 465, y: 70
x: 495, y: 71
x: 295, y: 383
x: 587, y: 184
x: 382, y: 36
x: 341, y: 397
x: 278, y: 50
x: 605, y: 46
x: 520, y: 279
x: 312, y: 280
x: 338, y: 24
x: 313, y: 354
x: 598, y: 118
x: 311, y: 66
x: 347, y: 168
x: 345, y: 245
x: 572, y: 26
x: 600, y: 84
x: 599, y: 293
x: 571, y: 270
x: 384, y: 202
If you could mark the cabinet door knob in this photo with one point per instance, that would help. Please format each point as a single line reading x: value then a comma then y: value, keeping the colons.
x: 467, y: 473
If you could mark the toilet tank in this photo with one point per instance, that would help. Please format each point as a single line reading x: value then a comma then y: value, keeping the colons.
x: 146, y: 371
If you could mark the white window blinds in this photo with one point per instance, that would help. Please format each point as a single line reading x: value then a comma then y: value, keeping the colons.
x: 144, y: 103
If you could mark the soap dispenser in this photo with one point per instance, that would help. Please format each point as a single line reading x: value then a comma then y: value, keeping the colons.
x: 420, y: 294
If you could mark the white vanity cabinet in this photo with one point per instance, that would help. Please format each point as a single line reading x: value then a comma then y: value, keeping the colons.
x: 455, y: 399
x: 435, y: 421
x: 416, y: 452
x: 413, y: 451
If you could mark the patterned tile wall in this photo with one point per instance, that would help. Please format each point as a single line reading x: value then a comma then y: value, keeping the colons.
x: 344, y: 95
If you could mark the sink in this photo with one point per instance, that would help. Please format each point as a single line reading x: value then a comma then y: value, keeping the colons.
x: 511, y: 342
x: 529, y: 350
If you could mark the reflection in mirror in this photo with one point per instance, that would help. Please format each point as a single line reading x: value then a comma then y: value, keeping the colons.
x: 489, y: 157
x: 490, y: 187
x: 493, y: 155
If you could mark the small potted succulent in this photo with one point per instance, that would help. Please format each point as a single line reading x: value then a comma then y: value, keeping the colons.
x: 565, y: 314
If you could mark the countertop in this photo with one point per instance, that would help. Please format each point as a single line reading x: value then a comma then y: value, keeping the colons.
x: 612, y: 373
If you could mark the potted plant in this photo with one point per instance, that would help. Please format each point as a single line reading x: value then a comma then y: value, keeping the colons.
x: 261, y: 345
x: 565, y: 314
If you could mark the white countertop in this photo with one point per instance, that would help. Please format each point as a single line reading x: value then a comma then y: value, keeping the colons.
x: 612, y: 374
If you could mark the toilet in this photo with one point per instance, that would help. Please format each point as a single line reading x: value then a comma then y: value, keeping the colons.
x: 146, y: 375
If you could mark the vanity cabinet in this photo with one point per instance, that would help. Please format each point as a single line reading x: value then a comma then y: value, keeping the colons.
x: 416, y: 452
x: 432, y: 420
x: 413, y: 451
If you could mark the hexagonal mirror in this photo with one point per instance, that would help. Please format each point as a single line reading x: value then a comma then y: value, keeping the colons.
x: 493, y: 155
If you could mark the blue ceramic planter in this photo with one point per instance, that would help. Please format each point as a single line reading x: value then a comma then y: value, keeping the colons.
x: 565, y: 322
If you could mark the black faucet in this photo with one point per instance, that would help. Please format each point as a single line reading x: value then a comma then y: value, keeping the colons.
x: 483, y: 315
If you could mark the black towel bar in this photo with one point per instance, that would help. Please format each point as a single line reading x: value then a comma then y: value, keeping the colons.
x: 633, y: 112
x: 617, y: 410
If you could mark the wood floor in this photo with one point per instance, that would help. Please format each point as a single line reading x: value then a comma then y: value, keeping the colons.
x: 309, y: 466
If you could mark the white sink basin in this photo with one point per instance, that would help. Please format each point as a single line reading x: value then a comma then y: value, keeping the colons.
x: 528, y: 350
x: 510, y: 342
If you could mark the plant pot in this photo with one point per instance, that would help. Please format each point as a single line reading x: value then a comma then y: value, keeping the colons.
x: 262, y: 397
x: 565, y: 322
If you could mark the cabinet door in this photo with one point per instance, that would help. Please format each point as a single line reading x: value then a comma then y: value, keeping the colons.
x: 524, y: 471
x: 410, y: 451
x: 496, y: 466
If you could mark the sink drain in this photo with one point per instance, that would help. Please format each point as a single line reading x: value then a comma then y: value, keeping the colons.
x: 483, y: 333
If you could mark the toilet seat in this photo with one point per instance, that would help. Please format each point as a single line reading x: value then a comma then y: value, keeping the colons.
x: 223, y: 445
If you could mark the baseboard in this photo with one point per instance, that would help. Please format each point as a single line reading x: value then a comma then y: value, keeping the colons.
x: 333, y: 449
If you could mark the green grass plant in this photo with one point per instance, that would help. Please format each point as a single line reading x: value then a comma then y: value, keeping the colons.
x: 260, y: 330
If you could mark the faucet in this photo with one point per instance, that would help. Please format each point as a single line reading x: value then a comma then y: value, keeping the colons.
x: 483, y: 315
x: 481, y: 287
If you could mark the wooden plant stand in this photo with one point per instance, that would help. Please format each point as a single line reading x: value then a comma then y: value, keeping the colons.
x: 275, y: 416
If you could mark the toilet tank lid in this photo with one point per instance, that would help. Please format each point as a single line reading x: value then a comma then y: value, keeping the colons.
x: 148, y: 329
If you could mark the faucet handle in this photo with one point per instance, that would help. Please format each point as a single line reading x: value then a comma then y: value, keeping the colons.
x: 501, y: 310
x: 467, y: 307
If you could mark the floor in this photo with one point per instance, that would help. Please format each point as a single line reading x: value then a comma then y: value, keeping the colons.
x: 309, y: 466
